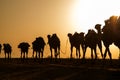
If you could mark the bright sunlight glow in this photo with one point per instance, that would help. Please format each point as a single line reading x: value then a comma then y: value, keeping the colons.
x: 87, y: 13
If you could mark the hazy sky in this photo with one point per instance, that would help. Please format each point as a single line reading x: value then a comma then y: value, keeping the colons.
x: 24, y: 20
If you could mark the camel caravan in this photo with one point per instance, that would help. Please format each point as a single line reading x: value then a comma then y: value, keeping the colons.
x: 108, y: 34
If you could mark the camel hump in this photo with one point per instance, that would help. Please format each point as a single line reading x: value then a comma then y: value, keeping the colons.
x: 7, y: 45
x: 55, y: 38
x: 91, y: 37
x: 76, y: 35
x: 23, y: 45
x: 82, y: 35
x: 40, y: 40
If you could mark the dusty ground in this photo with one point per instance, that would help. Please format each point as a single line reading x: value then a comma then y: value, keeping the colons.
x: 62, y: 69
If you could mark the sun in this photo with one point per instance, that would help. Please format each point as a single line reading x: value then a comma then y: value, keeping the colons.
x: 87, y: 13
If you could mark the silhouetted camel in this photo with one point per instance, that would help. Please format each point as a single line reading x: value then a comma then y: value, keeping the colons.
x: 38, y: 47
x: 99, y: 36
x: 24, y: 46
x: 91, y: 41
x: 0, y: 48
x: 117, y: 33
x: 54, y: 43
x: 75, y: 41
x: 7, y: 50
x: 108, y: 34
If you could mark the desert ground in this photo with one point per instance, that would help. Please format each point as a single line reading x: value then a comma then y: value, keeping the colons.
x: 59, y: 69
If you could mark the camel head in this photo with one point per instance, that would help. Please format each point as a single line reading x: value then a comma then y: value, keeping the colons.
x: 98, y: 27
x: 54, y: 35
x: 20, y: 45
x: 89, y: 31
x: 4, y: 45
x: 82, y: 34
x: 48, y: 36
x: 69, y: 35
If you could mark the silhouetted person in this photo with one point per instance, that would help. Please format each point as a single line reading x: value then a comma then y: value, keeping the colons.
x: 24, y: 46
x: 91, y: 42
x: 108, y: 34
x: 99, y: 36
x: 0, y: 48
x: 7, y: 50
x: 75, y: 41
x: 38, y: 47
x: 54, y: 43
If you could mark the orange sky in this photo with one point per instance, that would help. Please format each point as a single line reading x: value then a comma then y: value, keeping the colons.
x: 24, y: 20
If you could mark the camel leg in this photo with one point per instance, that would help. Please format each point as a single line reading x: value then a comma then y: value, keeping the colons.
x: 55, y: 52
x: 36, y: 54
x: 95, y: 53
x: 59, y: 52
x: 33, y: 54
x: 42, y: 54
x: 21, y: 54
x: 39, y: 54
x: 71, y: 51
x: 105, y: 53
x: 92, y: 53
x: 76, y: 53
x: 8, y: 55
x: 82, y: 48
x: 109, y: 53
x: 84, y: 52
x: 100, y: 47
x: 51, y: 52
x: 79, y: 52
x: 0, y: 50
x: 26, y: 54
x: 119, y: 53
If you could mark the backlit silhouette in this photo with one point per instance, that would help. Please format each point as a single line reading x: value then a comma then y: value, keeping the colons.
x: 54, y: 43
x: 117, y: 33
x: 91, y: 41
x: 38, y: 47
x: 108, y: 34
x: 99, y: 36
x: 7, y: 50
x: 75, y: 41
x: 24, y: 46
